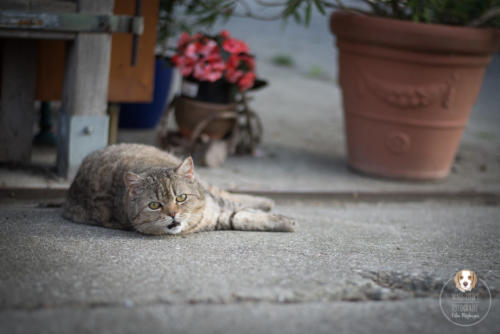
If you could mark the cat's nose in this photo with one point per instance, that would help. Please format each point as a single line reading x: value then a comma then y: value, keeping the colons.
x: 170, y: 210
x: 171, y: 213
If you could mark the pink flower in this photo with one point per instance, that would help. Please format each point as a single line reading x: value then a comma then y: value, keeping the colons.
x: 207, y: 48
x: 209, y: 69
x: 237, y: 65
x: 183, y: 41
x: 198, y: 36
x: 191, y: 51
x: 200, y: 55
x: 247, y: 62
x: 232, y: 72
x: 246, y: 81
x: 233, y: 75
x: 232, y: 45
x: 207, y: 72
x: 185, y: 64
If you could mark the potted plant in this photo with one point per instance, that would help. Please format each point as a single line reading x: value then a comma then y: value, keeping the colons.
x: 214, y: 69
x: 170, y: 24
x: 410, y: 72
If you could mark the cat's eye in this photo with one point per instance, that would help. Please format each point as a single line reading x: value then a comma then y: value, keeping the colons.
x: 181, y: 198
x: 154, y: 205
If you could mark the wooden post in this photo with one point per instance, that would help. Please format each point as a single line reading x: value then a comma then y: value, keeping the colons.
x: 114, y: 114
x: 85, y: 92
x: 17, y: 113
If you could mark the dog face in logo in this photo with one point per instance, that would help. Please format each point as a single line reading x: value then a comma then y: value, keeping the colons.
x: 465, y: 280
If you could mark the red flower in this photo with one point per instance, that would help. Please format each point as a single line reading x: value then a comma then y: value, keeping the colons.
x: 247, y: 62
x: 191, y: 51
x: 201, y: 56
x: 185, y: 64
x: 237, y: 65
x: 225, y: 34
x: 183, y: 41
x: 232, y: 72
x: 232, y: 45
x: 209, y: 69
x: 208, y: 48
x: 246, y: 81
x: 198, y: 36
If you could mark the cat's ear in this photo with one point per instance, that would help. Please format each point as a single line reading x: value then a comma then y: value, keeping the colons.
x: 186, y: 168
x: 132, y: 181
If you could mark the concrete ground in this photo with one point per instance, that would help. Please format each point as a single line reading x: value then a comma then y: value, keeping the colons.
x: 349, y: 268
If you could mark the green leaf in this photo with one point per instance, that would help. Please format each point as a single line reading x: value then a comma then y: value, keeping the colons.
x: 297, y: 17
x: 208, y: 20
x: 308, y: 14
x: 291, y: 8
x: 319, y: 6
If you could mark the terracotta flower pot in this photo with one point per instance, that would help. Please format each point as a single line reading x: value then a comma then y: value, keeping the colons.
x: 408, y: 89
x: 189, y: 113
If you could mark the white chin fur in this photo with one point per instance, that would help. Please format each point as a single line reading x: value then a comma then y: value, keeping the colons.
x: 176, y: 230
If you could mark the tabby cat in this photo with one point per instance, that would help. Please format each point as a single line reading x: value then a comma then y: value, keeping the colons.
x: 139, y: 187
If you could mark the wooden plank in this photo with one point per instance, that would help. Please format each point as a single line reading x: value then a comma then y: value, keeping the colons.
x: 126, y: 83
x: 85, y: 85
x: 60, y: 6
x: 50, y: 70
x: 134, y: 83
x: 114, y: 114
x: 17, y: 112
x: 85, y: 90
x: 13, y: 21
x: 38, y: 35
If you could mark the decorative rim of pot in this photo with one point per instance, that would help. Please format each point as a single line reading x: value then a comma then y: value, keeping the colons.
x: 407, y: 35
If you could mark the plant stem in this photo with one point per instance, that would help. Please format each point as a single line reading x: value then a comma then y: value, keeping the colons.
x: 488, y: 15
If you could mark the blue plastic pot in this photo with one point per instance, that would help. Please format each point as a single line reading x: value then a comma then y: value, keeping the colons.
x: 147, y: 115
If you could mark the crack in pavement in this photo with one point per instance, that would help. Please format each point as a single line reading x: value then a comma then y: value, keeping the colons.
x: 371, y: 286
x: 417, y: 284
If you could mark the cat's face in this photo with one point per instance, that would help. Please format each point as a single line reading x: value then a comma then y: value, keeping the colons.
x: 164, y: 200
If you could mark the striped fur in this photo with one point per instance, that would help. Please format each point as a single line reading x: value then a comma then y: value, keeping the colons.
x: 115, y: 187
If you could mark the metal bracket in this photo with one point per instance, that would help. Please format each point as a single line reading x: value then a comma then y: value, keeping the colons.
x: 79, y: 135
x: 70, y: 22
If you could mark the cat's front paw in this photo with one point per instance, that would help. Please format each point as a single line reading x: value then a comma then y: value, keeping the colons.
x: 283, y: 223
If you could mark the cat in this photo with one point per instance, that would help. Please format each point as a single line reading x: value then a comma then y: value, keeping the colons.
x: 139, y: 187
